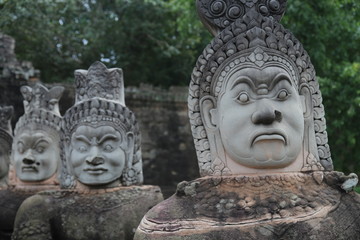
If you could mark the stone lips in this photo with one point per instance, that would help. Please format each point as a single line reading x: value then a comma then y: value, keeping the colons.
x: 252, y: 31
x: 98, y: 112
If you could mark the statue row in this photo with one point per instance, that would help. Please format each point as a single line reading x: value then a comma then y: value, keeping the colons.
x: 259, y: 130
x: 93, y: 151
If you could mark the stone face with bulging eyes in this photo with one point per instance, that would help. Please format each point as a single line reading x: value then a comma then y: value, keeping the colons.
x: 36, y: 154
x: 96, y: 154
x: 260, y: 118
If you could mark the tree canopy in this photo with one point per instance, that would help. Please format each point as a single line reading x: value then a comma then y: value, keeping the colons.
x: 158, y: 41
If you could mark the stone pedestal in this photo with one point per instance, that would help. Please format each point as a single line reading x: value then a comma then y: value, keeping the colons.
x: 96, y: 214
x: 278, y: 206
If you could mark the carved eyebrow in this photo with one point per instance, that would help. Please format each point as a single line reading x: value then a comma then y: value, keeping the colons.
x: 243, y: 79
x: 40, y: 141
x: 83, y: 139
x: 277, y: 79
x: 107, y: 137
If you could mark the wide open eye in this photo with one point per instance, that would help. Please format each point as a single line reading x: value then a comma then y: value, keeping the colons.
x: 21, y: 147
x: 108, y: 148
x: 283, y: 94
x: 40, y: 149
x: 243, y: 98
x: 82, y: 149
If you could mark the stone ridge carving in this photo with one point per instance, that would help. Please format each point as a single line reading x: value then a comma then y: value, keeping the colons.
x: 36, y: 148
x: 100, y: 105
x: 107, y: 214
x: 6, y: 138
x: 216, y: 15
x: 241, y: 43
x: 272, y: 206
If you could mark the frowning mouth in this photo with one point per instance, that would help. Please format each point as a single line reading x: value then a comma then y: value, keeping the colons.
x: 95, y: 171
x: 273, y: 135
x: 29, y: 169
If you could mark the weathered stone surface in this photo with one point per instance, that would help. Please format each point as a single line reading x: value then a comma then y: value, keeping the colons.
x: 13, y: 74
x: 260, y: 136
x: 277, y: 206
x: 96, y: 214
x: 101, y: 154
x: 166, y: 141
x: 35, y: 154
x: 10, y: 202
x: 11, y: 199
x: 6, y: 139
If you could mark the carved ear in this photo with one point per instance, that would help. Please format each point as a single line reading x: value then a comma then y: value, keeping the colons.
x: 130, y: 147
x: 306, y: 100
x: 209, y: 112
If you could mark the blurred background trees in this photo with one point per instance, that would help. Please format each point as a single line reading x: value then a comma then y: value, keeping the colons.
x: 158, y: 42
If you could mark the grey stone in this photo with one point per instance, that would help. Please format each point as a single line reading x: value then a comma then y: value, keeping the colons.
x: 259, y: 130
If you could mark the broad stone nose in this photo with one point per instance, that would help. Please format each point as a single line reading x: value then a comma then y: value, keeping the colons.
x: 96, y: 161
x: 94, y: 158
x: 266, y: 115
x: 29, y: 161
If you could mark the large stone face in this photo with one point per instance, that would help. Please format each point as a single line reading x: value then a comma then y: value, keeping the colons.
x: 166, y: 140
x: 260, y: 136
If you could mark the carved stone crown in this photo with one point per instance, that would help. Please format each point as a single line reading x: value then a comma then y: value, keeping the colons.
x: 100, y: 82
x: 41, y: 106
x: 242, y: 42
x: 100, y: 102
x: 216, y: 15
x: 6, y: 114
x: 37, y: 96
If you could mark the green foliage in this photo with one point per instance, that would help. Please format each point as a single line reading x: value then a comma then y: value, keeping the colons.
x: 148, y: 39
x: 357, y: 189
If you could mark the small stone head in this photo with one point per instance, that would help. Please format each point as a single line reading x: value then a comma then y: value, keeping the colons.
x: 102, y: 141
x: 6, y: 139
x: 36, y: 146
x: 254, y: 102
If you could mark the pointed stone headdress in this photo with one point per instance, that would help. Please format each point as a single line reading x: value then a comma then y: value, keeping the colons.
x: 6, y: 113
x: 41, y: 106
x: 252, y: 36
x: 100, y: 101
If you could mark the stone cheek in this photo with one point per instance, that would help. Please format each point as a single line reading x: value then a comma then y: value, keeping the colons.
x: 69, y: 215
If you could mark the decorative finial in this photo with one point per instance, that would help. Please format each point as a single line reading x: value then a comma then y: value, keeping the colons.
x: 216, y: 15
x: 100, y: 82
x: 41, y: 106
x: 37, y: 96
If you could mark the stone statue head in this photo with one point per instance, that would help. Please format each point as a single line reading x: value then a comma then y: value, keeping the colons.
x: 254, y: 102
x: 36, y: 146
x: 101, y: 135
x: 6, y: 139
